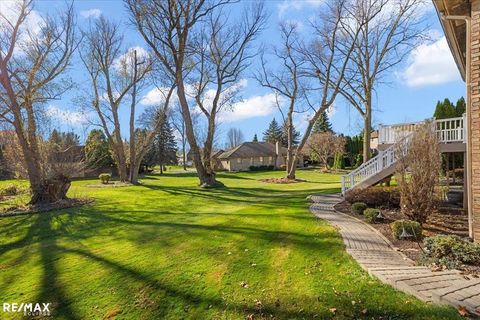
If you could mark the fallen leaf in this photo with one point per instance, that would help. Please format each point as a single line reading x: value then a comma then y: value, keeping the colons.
x: 277, y: 303
x: 333, y: 310
x: 254, y: 264
x: 353, y: 302
x: 462, y: 311
x: 364, y: 311
x: 243, y: 284
x: 229, y: 252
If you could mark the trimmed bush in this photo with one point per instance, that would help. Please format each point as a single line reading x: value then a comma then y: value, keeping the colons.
x: 451, y: 251
x: 411, y: 227
x: 358, y: 207
x: 105, y: 177
x: 376, y: 197
x: 261, y: 168
x: 371, y: 215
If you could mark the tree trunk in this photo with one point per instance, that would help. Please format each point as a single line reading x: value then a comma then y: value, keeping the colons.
x: 183, y: 153
x: 366, y: 137
x: 50, y: 190
x: 134, y: 167
x: 290, y: 163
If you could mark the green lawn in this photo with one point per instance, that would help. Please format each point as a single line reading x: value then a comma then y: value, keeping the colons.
x: 170, y: 250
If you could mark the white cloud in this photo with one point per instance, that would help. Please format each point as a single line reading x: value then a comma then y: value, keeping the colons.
x: 92, y: 13
x: 256, y: 106
x: 430, y: 64
x: 287, y: 5
x: 156, y: 96
x: 68, y: 117
x: 125, y: 62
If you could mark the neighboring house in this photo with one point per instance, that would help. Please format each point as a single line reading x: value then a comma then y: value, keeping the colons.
x: 253, y: 154
x: 214, y: 156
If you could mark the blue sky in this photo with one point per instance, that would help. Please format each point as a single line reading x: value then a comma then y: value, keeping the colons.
x: 429, y: 74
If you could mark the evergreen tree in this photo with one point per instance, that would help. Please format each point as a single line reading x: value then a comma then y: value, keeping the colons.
x: 60, y: 141
x: 274, y: 132
x: 97, y: 150
x: 284, y: 138
x: 460, y: 107
x: 164, y: 148
x: 444, y: 110
x: 322, y: 124
x: 255, y: 139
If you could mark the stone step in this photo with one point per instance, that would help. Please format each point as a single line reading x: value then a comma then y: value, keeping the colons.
x: 464, y: 293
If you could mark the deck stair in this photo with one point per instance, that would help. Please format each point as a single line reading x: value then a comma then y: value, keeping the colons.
x: 395, y: 140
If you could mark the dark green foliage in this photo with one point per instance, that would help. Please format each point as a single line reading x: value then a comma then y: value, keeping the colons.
x: 446, y: 109
x: 354, y: 149
x: 460, y: 107
x: 261, y: 168
x: 451, y: 251
x: 255, y: 139
x: 338, y: 162
x: 322, y: 124
x: 371, y: 215
x: 358, y: 207
x: 411, y: 227
x: 97, y: 150
x: 274, y: 132
x: 60, y: 141
x: 105, y: 177
x: 284, y: 138
x: 378, y: 197
x: 163, y: 150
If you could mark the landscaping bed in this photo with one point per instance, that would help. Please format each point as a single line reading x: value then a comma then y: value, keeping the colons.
x: 416, y: 249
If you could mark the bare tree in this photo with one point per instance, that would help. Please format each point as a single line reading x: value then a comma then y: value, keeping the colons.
x: 323, y: 146
x: 234, y: 138
x: 199, y: 45
x: 326, y: 61
x: 115, y: 75
x: 417, y: 172
x: 288, y: 82
x: 390, y: 29
x: 32, y: 63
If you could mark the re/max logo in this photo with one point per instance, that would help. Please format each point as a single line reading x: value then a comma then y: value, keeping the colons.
x: 27, y: 308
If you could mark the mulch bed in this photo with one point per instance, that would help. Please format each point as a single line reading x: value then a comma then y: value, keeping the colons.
x: 412, y: 249
x: 282, y: 180
x: 111, y: 184
x: 31, y: 209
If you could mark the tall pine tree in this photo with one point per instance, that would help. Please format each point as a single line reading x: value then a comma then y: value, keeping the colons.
x: 444, y: 110
x: 322, y: 124
x: 97, y: 150
x: 164, y: 147
x: 284, y: 139
x: 274, y: 132
x: 460, y: 107
x: 255, y: 139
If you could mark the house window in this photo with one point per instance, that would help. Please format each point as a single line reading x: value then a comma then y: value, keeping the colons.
x: 261, y: 159
x: 239, y: 160
x: 270, y: 159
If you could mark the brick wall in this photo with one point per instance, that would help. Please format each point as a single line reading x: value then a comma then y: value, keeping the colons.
x: 475, y: 116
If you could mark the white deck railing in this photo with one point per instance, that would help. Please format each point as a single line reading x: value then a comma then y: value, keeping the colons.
x: 383, y: 160
x: 448, y: 130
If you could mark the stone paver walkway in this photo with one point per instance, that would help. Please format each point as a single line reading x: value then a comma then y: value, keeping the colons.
x: 376, y: 255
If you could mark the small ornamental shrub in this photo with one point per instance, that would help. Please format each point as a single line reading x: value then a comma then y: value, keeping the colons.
x: 105, y: 177
x: 378, y: 197
x: 412, y: 228
x: 451, y: 251
x: 371, y: 215
x: 358, y: 207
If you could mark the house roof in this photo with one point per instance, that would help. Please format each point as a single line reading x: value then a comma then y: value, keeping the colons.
x: 252, y: 149
x: 455, y: 30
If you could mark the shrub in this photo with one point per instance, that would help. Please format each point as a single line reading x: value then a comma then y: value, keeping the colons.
x: 261, y: 168
x: 105, y: 177
x: 412, y: 227
x: 378, y: 197
x: 371, y: 215
x: 358, y: 207
x: 451, y: 251
x: 417, y: 172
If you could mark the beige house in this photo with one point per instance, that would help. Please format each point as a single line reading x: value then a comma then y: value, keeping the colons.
x: 253, y: 154
x: 461, y: 22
